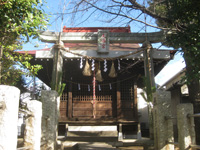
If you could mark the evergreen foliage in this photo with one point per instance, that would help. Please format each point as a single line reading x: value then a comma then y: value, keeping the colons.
x: 20, y: 20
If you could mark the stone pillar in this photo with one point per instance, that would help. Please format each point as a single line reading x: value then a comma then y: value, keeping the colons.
x: 50, y: 114
x: 163, y: 130
x: 120, y: 135
x: 186, y: 132
x: 32, y: 132
x: 9, y: 106
x: 139, y: 134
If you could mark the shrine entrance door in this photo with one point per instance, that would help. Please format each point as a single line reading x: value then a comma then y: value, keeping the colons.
x: 84, y: 105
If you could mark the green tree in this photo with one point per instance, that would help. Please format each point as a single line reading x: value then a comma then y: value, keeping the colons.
x: 185, y: 26
x: 19, y: 21
x: 185, y: 23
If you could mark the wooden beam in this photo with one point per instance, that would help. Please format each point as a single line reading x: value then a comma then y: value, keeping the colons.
x: 156, y: 54
x: 92, y: 37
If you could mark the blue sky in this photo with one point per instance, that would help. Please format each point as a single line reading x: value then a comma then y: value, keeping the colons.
x: 53, y: 8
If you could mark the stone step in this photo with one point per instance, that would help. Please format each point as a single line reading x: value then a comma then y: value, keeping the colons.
x: 92, y: 128
x: 91, y: 139
x: 92, y: 131
x: 95, y: 146
x: 92, y: 134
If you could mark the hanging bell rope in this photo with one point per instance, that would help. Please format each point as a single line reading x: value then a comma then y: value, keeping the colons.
x: 105, y: 66
x: 87, y: 69
x: 112, y: 73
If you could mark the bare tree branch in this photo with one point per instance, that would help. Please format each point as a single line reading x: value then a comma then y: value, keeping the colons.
x: 122, y: 15
x: 147, y: 11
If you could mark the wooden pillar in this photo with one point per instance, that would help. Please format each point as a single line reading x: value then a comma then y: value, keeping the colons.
x: 149, y: 80
x: 119, y: 109
x: 57, y: 66
x: 135, y: 102
x: 70, y: 104
x: 148, y: 65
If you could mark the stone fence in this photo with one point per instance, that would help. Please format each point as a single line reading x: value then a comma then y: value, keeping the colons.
x: 163, y: 124
x: 40, y: 122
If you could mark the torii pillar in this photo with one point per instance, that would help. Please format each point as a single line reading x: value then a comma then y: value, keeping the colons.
x: 57, y: 66
x: 149, y: 80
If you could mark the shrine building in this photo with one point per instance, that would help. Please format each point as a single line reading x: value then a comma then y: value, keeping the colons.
x: 102, y: 68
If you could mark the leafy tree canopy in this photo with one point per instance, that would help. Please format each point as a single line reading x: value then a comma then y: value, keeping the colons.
x: 20, y: 20
x: 185, y: 22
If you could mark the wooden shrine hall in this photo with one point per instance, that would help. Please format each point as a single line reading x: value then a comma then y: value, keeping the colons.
x: 102, y: 69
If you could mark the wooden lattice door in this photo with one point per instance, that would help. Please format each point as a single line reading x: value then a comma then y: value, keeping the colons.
x: 83, y: 100
x: 63, y: 106
x: 128, y: 100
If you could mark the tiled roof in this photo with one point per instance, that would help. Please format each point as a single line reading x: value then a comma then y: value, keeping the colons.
x: 33, y: 52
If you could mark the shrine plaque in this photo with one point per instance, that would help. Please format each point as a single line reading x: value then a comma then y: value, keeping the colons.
x: 103, y: 41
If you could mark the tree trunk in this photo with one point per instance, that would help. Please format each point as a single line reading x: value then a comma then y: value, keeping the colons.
x: 194, y: 95
x: 150, y: 115
x: 1, y: 56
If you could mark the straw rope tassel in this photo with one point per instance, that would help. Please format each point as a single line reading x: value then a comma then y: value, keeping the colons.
x: 87, y: 69
x: 98, y: 74
x: 112, y: 73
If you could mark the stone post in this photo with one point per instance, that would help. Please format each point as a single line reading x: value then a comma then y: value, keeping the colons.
x: 50, y: 114
x: 9, y: 103
x: 163, y: 130
x: 186, y: 132
x: 32, y: 132
x: 120, y: 135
